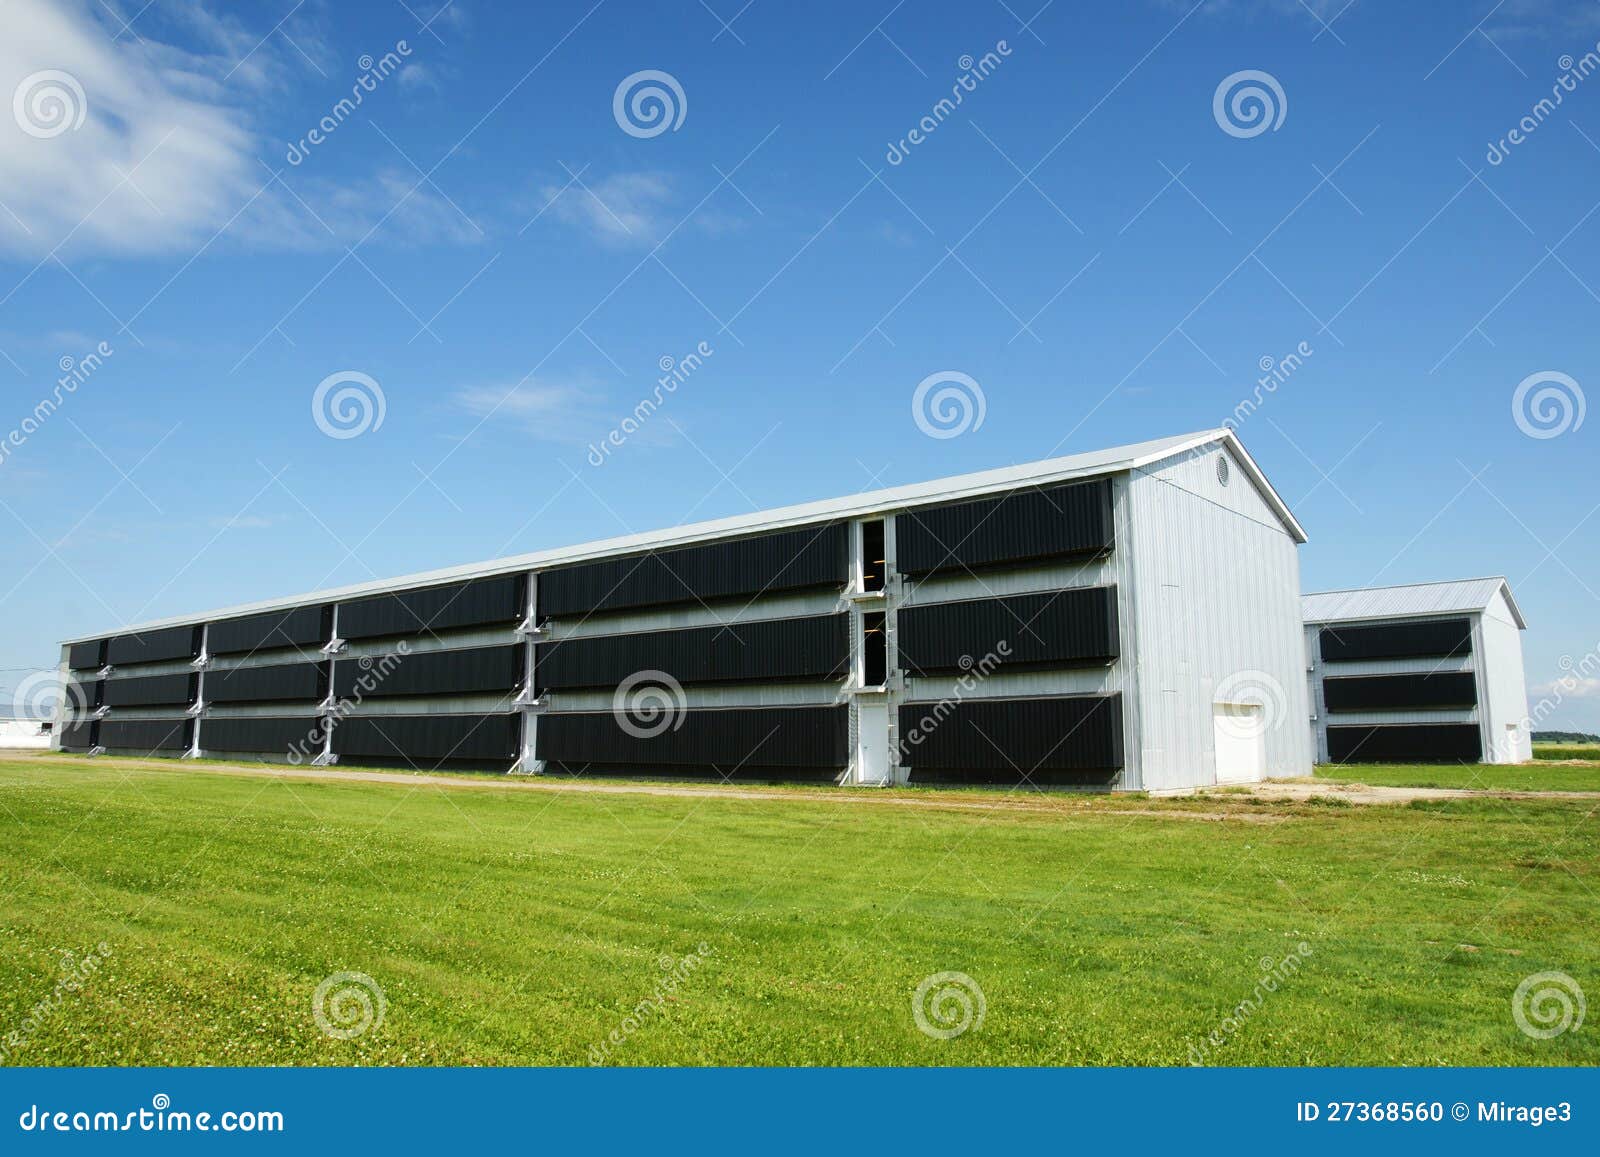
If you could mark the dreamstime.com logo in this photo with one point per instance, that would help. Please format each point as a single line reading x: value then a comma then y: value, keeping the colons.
x: 1274, y: 974
x: 674, y: 373
x: 649, y: 703
x: 1248, y: 103
x: 973, y: 673
x: 1548, y: 1004
x: 45, y: 696
x: 1575, y: 677
x: 648, y: 103
x: 348, y: 404
x: 1548, y: 404
x: 49, y: 103
x: 948, y: 404
x: 973, y: 72
x: 1275, y: 372
x: 74, y: 373
x: 1573, y: 73
x: 373, y: 671
x: 373, y: 73
x: 948, y: 1004
x: 348, y: 1004
x: 74, y: 974
x: 160, y: 1117
x: 676, y: 972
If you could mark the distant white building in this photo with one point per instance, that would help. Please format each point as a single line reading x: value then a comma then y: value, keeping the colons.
x: 1427, y: 673
x: 24, y: 734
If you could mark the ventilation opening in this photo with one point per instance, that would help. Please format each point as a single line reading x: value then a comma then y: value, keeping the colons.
x: 875, y: 649
x: 874, y: 566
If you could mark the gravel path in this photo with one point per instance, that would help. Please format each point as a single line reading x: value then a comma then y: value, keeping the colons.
x: 1361, y: 793
x: 1284, y: 791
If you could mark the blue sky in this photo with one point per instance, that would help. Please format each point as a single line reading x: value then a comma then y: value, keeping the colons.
x: 483, y: 239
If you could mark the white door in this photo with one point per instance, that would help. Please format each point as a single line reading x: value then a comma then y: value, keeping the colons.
x: 1240, y: 734
x: 872, y: 741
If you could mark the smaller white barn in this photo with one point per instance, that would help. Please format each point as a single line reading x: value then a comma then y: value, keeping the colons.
x: 1426, y: 673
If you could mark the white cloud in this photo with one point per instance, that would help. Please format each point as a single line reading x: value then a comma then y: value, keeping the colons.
x: 156, y: 159
x: 554, y: 412
x: 1568, y: 687
x: 559, y: 412
x: 449, y: 16
x: 622, y: 209
x: 390, y: 203
x: 416, y: 77
x: 166, y: 154
x: 628, y: 208
x: 246, y: 522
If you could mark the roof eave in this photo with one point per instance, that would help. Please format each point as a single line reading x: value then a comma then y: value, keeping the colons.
x: 1252, y: 468
x: 954, y: 489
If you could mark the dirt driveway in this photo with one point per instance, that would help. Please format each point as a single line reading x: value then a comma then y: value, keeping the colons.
x: 1281, y: 791
x: 1300, y: 790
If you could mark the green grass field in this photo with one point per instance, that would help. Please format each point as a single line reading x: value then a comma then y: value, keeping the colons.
x: 1567, y: 751
x: 526, y: 926
x: 1480, y: 777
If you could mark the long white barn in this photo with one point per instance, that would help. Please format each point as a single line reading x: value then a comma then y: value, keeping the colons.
x: 1127, y: 619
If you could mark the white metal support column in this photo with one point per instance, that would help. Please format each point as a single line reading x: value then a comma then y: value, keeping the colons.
x: 64, y: 706
x: 528, y: 704
x: 328, y: 710
x: 201, y: 662
x: 869, y: 705
x: 894, y: 592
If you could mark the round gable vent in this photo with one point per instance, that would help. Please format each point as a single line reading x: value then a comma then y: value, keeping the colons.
x: 1222, y: 469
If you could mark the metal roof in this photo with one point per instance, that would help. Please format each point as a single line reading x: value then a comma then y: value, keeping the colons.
x: 1088, y: 465
x: 1456, y: 596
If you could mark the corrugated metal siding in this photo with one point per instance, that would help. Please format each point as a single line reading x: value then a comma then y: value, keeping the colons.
x: 1400, y: 692
x: 415, y: 612
x: 1465, y: 665
x: 1062, y: 627
x: 426, y: 740
x: 1406, y: 743
x: 814, y: 556
x: 1444, y: 638
x: 1015, y: 527
x: 450, y: 640
x: 284, y: 681
x: 785, y: 737
x: 1399, y: 716
x: 1014, y: 740
x: 81, y: 735
x: 1463, y: 596
x: 780, y: 649
x: 804, y: 604
x: 1422, y: 666
x: 146, y: 736
x: 471, y: 671
x: 1216, y: 611
x: 707, y: 695
x: 1507, y: 727
x: 154, y: 646
x: 268, y: 735
x: 151, y: 691
x: 300, y: 627
x: 1031, y: 577
x: 87, y: 656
